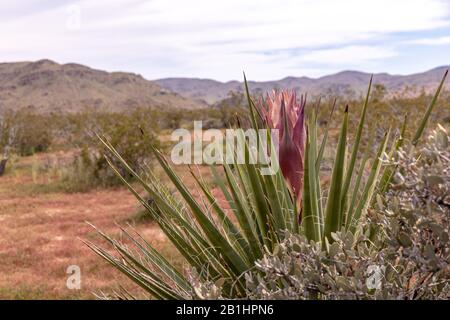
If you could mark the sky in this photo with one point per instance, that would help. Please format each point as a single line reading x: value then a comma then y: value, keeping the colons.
x: 268, y: 39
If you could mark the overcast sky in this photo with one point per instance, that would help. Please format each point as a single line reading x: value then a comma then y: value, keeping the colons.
x: 268, y: 39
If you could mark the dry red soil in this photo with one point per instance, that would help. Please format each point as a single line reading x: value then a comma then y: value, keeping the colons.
x: 40, y: 237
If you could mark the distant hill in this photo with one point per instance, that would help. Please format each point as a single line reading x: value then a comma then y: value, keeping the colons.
x: 342, y: 83
x: 47, y: 86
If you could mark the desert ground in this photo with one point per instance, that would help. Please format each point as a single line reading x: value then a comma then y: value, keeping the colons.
x: 42, y: 234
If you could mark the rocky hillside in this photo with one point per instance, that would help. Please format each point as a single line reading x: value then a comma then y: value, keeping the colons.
x: 343, y: 83
x: 47, y: 86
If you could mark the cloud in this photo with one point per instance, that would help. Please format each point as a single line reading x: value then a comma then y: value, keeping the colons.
x: 215, y: 39
x: 349, y: 55
x: 430, y: 41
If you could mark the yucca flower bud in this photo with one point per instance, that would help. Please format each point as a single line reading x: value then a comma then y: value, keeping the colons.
x: 282, y: 111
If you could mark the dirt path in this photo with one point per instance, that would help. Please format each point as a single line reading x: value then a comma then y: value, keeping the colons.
x: 39, y: 239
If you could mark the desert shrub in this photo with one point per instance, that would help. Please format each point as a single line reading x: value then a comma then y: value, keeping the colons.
x: 391, y: 109
x: 26, y: 131
x: 231, y: 108
x: 6, y: 128
x: 13, y: 164
x: 411, y: 245
x: 22, y: 133
x: 34, y: 133
x: 133, y: 133
x: 184, y: 118
x: 79, y: 175
x: 172, y: 120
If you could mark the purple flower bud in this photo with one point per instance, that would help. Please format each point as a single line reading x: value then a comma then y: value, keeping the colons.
x: 282, y: 111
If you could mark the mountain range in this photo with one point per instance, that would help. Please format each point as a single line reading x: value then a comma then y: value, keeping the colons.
x: 47, y: 86
x: 342, y: 83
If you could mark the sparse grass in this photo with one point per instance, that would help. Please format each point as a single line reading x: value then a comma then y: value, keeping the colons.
x: 40, y: 229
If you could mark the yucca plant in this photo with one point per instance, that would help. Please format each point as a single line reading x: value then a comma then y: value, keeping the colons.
x: 220, y: 244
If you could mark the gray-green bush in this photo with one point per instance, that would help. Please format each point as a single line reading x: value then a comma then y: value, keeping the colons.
x: 410, y: 246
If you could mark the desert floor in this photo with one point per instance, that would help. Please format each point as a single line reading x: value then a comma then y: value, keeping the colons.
x: 41, y: 232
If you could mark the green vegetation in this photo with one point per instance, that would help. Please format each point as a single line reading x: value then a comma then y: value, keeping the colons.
x: 234, y: 228
x: 83, y: 166
x: 226, y: 249
x: 411, y: 244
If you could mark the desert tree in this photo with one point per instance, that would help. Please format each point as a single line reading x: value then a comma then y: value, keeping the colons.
x: 7, y: 137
